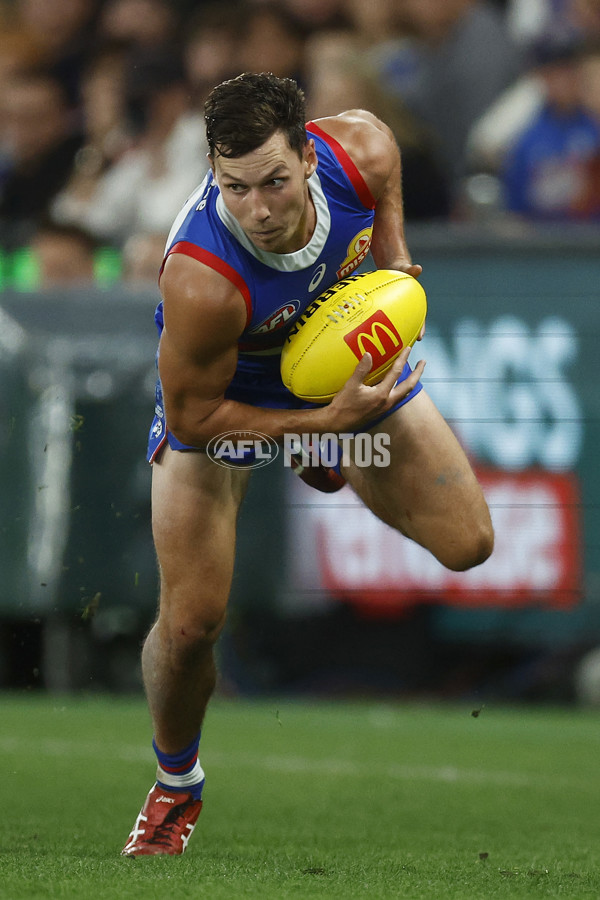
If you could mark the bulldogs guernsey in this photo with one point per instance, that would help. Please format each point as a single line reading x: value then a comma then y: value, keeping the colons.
x: 277, y: 288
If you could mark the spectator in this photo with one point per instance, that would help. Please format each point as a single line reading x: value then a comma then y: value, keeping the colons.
x: 107, y: 134
x: 533, y: 21
x: 144, y: 189
x: 374, y: 23
x: 142, y: 258
x: 588, y: 204
x: 547, y: 172
x: 497, y: 129
x: 18, y: 51
x: 586, y: 18
x: 536, y: 24
x: 211, y: 51
x: 457, y: 61
x: 316, y: 15
x: 272, y: 42
x: 139, y: 23
x: 63, y: 254
x: 41, y: 144
x: 63, y: 30
x: 339, y: 80
x: 590, y: 78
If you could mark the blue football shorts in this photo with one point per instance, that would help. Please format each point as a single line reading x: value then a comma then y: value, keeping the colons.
x: 257, y: 382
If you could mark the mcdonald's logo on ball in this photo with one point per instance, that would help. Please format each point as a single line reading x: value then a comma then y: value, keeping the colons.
x: 378, y: 336
x: 378, y: 312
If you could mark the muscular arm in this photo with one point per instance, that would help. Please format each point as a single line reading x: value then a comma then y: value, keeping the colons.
x: 373, y: 149
x: 204, y: 317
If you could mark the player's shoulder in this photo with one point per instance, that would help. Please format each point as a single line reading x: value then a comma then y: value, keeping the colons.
x: 200, y: 291
x: 366, y: 140
x: 358, y: 131
x: 184, y: 274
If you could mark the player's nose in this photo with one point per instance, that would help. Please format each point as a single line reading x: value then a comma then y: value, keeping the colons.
x: 259, y: 209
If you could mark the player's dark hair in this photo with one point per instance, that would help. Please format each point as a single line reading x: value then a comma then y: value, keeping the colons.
x: 244, y: 112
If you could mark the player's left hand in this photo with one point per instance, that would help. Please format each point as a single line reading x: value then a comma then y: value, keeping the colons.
x: 413, y: 269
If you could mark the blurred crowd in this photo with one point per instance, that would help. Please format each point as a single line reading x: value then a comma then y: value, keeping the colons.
x: 494, y: 103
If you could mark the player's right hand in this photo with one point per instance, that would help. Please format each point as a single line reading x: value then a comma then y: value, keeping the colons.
x: 357, y: 403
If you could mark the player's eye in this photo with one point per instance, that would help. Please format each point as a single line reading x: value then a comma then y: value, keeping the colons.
x: 236, y: 188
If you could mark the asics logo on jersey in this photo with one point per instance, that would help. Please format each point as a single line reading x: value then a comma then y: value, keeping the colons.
x: 317, y: 277
x: 163, y: 799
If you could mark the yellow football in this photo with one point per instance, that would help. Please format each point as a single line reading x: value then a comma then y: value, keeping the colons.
x: 378, y: 312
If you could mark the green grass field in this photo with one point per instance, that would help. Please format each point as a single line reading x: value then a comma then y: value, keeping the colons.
x: 348, y: 800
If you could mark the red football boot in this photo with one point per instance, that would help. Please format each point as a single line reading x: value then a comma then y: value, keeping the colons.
x: 321, y: 477
x: 164, y: 825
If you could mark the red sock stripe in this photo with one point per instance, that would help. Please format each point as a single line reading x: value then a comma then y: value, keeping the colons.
x: 178, y: 770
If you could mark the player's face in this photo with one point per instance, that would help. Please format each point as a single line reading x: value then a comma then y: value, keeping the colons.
x: 266, y: 191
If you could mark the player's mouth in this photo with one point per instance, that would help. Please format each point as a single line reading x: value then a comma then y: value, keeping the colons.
x: 266, y: 234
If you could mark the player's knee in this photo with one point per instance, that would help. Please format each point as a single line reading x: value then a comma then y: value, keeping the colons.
x: 472, y: 550
x: 190, y: 633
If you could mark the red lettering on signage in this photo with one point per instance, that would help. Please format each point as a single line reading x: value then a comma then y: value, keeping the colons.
x: 536, y: 559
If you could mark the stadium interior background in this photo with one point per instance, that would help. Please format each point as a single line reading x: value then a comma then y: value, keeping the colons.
x: 325, y: 600
x: 101, y: 140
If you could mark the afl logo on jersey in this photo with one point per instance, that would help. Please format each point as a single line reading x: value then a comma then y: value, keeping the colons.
x: 317, y: 278
x: 358, y: 249
x: 277, y: 319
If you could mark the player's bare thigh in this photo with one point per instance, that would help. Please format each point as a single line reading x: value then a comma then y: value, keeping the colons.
x: 429, y: 491
x: 195, y: 504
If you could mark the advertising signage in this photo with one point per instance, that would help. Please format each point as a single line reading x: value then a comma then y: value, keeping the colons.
x: 511, y: 366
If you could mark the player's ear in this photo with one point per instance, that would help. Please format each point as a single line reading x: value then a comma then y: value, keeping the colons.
x: 309, y: 156
x: 211, y: 162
